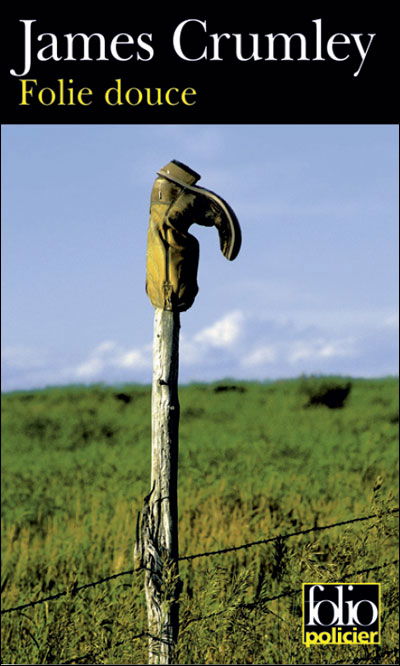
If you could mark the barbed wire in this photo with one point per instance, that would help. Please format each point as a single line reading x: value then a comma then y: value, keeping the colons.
x: 78, y: 588
x: 288, y: 593
x: 244, y: 606
x: 74, y: 589
x: 286, y: 536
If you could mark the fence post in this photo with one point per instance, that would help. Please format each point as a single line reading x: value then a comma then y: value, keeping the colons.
x: 159, y: 529
x: 171, y: 284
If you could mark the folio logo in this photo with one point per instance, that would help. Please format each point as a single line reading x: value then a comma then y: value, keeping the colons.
x: 341, y: 614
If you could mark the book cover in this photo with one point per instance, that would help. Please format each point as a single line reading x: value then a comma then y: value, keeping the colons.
x: 207, y: 202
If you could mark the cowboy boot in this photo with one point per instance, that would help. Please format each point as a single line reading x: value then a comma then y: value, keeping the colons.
x: 172, y: 252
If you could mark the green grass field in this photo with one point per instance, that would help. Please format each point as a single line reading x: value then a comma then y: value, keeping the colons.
x: 257, y: 460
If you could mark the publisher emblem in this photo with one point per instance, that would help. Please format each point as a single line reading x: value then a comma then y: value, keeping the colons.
x: 341, y: 614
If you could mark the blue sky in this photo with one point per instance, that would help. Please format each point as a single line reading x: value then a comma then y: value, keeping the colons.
x: 313, y: 290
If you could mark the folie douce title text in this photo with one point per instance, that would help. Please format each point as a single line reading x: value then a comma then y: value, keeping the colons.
x: 191, y: 41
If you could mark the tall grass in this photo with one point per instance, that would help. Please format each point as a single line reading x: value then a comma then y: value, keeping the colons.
x: 256, y: 460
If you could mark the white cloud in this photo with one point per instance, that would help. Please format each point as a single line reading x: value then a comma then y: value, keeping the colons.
x: 320, y: 349
x: 260, y: 356
x: 135, y: 358
x: 106, y: 346
x: 237, y: 344
x: 223, y: 333
x: 108, y: 356
x: 90, y: 368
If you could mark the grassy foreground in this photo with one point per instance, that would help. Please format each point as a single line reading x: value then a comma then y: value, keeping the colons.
x: 256, y: 460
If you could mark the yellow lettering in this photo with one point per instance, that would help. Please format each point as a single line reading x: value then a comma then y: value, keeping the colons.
x: 188, y: 91
x: 168, y: 96
x: 139, y: 96
x: 81, y: 92
x: 25, y: 91
x: 109, y: 91
x: 41, y: 96
x: 311, y: 638
x: 158, y: 97
x: 117, y: 96
x: 59, y: 95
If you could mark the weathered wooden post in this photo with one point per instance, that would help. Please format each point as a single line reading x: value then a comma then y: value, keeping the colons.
x: 171, y: 284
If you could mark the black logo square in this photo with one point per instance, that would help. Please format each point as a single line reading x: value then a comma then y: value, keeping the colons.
x: 341, y: 613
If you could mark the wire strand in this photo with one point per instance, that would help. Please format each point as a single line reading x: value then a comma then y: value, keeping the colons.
x: 289, y: 593
x: 285, y: 536
x: 244, y: 606
x: 72, y: 591
x: 75, y: 589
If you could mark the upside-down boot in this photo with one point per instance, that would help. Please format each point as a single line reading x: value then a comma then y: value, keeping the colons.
x: 172, y: 252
